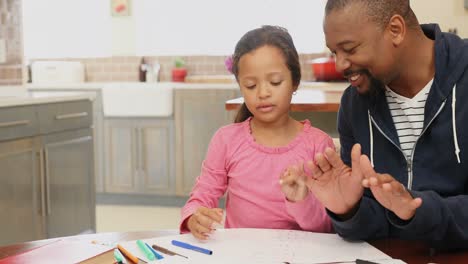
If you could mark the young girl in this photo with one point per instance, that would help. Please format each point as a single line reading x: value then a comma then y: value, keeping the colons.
x: 246, y: 159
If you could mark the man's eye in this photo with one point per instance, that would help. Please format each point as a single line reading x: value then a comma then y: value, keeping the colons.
x: 351, y: 50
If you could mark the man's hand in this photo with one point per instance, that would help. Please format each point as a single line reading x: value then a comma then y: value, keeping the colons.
x: 203, y: 222
x: 337, y: 186
x: 390, y: 193
x: 293, y: 184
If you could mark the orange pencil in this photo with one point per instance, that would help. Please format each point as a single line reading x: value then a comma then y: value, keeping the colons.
x: 127, y: 254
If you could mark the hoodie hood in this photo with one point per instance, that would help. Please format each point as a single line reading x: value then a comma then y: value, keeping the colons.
x: 451, y: 63
x: 451, y: 59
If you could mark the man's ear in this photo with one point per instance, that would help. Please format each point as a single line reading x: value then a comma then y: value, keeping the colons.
x: 397, y: 29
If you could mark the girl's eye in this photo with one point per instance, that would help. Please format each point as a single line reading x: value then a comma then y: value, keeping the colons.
x: 250, y: 86
x: 276, y: 83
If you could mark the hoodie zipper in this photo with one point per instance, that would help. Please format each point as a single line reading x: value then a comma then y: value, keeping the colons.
x: 409, y: 162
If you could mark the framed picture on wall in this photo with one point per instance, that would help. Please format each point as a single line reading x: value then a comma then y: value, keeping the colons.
x: 120, y: 8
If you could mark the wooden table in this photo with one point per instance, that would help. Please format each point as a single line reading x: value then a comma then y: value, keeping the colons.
x: 408, y: 251
x: 306, y: 100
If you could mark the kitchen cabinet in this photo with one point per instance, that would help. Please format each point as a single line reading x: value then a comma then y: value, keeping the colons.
x: 139, y: 155
x: 198, y: 114
x: 68, y: 168
x: 97, y: 124
x: 20, y: 203
x: 47, y: 179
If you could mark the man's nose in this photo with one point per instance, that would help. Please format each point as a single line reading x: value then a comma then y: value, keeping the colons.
x: 341, y: 63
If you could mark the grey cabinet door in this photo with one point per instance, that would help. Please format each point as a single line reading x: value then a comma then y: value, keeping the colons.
x: 69, y: 176
x: 120, y: 156
x: 139, y: 156
x: 198, y: 114
x: 156, y: 157
x: 20, y: 192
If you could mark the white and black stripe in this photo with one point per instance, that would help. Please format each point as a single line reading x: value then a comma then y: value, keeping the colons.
x: 408, y: 116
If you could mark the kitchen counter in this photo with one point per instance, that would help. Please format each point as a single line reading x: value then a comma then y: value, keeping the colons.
x: 30, y: 99
x: 305, y: 100
x: 140, y: 99
x: 90, y: 86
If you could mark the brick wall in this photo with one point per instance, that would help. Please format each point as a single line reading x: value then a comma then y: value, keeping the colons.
x: 10, y: 31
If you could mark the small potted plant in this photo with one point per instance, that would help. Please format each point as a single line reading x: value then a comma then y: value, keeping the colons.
x: 179, y: 71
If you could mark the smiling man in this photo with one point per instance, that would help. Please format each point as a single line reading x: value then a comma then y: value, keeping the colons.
x: 405, y: 111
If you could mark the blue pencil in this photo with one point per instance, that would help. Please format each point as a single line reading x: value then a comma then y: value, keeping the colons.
x: 191, y: 247
x: 158, y: 256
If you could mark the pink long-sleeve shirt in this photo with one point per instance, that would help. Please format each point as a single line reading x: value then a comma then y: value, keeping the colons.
x: 249, y: 173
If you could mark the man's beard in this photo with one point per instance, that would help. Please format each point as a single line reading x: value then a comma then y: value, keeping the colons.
x: 375, y: 84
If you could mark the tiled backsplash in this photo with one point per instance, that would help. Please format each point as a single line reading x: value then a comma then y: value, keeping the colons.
x: 125, y: 69
x: 10, y: 31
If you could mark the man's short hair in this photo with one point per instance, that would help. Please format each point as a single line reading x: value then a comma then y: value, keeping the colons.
x: 379, y: 11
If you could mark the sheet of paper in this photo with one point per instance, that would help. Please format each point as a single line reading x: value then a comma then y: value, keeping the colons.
x: 246, y: 245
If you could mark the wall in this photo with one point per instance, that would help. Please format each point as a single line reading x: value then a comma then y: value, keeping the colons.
x: 125, y: 68
x: 448, y: 14
x: 10, y: 31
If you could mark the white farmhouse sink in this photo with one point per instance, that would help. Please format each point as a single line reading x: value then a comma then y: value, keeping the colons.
x: 137, y: 99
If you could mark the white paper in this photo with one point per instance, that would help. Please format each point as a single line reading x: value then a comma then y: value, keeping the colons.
x: 267, y: 246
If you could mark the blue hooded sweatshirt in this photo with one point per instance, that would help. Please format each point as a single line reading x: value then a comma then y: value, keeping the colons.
x: 438, y: 169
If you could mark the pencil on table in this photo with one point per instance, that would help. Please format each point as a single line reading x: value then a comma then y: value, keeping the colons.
x: 127, y: 254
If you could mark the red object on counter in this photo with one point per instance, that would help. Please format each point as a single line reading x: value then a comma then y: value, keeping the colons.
x: 178, y: 74
x: 324, y: 69
x: 120, y: 8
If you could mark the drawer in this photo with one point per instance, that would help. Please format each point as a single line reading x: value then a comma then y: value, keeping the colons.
x: 65, y: 116
x: 18, y: 122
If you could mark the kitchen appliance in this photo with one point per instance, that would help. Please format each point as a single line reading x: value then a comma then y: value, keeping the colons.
x: 55, y: 72
x: 324, y: 69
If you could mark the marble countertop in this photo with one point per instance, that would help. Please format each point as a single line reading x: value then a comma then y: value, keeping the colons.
x: 305, y: 100
x: 30, y: 99
x: 175, y: 85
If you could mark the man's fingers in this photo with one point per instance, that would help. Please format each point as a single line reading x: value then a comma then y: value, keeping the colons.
x: 333, y: 158
x: 322, y: 162
x: 355, y: 156
x: 416, y: 203
x: 313, y: 168
x: 366, y: 167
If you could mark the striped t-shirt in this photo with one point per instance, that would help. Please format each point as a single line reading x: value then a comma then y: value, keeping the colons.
x: 408, y: 116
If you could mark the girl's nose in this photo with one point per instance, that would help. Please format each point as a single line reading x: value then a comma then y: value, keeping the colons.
x: 263, y: 91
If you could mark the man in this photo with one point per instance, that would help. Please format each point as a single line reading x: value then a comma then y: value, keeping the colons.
x: 405, y: 111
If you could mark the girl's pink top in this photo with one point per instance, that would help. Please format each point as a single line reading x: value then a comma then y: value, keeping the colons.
x: 249, y: 173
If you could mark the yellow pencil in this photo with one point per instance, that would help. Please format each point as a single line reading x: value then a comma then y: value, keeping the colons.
x: 127, y: 254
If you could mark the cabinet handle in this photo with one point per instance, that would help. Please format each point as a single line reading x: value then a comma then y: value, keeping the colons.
x: 15, y: 123
x: 41, y: 176
x: 47, y: 181
x: 138, y: 150
x: 69, y: 116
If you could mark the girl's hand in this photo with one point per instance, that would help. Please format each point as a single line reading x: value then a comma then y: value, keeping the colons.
x: 203, y: 222
x: 293, y: 184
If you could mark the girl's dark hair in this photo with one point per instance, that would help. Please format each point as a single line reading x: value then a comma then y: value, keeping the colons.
x: 266, y: 36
